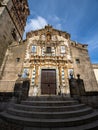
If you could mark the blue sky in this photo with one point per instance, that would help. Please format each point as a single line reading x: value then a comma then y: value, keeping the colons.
x: 77, y: 17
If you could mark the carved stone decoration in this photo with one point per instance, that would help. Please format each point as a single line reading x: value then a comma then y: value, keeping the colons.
x: 63, y: 49
x: 48, y: 37
x: 52, y: 52
x: 43, y: 38
x: 54, y: 38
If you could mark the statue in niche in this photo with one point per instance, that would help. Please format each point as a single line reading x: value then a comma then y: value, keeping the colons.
x: 48, y: 37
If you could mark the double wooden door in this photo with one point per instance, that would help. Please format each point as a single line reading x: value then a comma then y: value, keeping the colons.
x: 48, y: 81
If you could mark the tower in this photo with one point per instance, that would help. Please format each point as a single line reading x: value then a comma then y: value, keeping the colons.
x: 13, y: 15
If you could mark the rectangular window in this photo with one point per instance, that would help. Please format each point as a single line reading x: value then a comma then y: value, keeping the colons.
x: 17, y: 59
x: 25, y: 72
x: 33, y: 49
x: 77, y: 61
x: 48, y: 50
x: 62, y: 49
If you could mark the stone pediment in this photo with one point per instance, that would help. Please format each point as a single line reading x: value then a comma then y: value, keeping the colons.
x: 48, y: 33
x: 48, y: 36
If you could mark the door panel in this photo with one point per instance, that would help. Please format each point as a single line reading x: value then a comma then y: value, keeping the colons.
x: 48, y: 81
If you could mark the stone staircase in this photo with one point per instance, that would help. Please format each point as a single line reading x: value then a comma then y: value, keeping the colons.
x: 53, y: 112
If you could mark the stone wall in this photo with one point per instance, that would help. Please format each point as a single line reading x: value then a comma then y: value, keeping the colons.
x: 9, y: 29
x: 82, y: 66
x: 21, y: 57
x: 90, y: 100
x: 12, y: 66
x: 6, y: 26
x: 95, y: 68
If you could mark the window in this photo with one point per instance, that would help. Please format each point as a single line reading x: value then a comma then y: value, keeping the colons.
x: 48, y: 50
x: 71, y: 43
x: 77, y: 61
x: 62, y: 49
x: 17, y: 59
x: 25, y: 72
x: 34, y: 49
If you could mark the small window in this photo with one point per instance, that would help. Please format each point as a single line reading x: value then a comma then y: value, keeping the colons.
x: 71, y: 43
x: 77, y: 61
x: 25, y: 72
x: 62, y: 49
x: 34, y: 49
x: 48, y: 50
x: 17, y: 59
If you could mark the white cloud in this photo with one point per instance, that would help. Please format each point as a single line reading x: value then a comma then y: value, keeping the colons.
x: 55, y: 20
x: 36, y: 23
x: 58, y: 26
x: 93, y: 48
x: 92, y: 42
x: 39, y: 22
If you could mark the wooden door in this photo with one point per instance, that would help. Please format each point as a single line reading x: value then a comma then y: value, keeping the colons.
x: 48, y: 81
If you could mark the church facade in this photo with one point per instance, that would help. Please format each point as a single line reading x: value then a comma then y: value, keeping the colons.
x: 49, y: 56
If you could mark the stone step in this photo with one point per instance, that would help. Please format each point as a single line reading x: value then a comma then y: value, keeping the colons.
x: 49, y: 98
x: 49, y: 108
x: 88, y: 126
x: 43, y: 112
x: 49, y: 115
x: 49, y: 103
x: 50, y: 123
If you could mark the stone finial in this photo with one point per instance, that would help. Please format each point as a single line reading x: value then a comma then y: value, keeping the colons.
x: 71, y: 75
x: 27, y: 74
x: 19, y: 75
x: 78, y: 76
